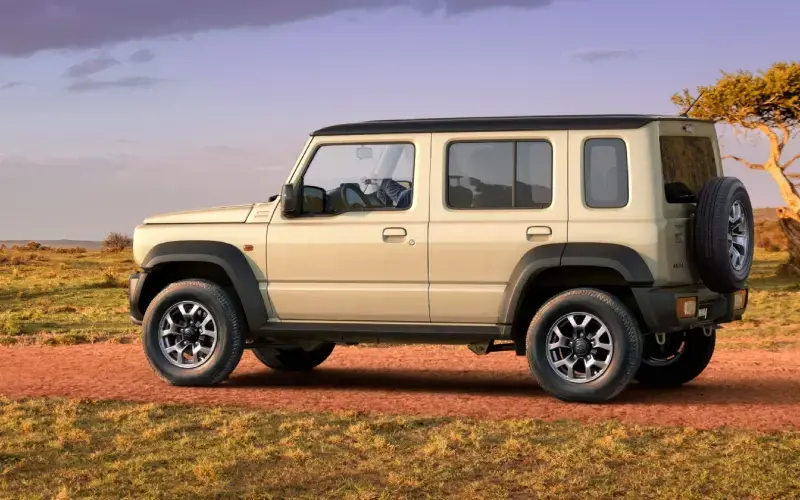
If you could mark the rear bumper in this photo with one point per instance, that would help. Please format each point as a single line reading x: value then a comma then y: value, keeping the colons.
x: 135, y: 286
x: 659, y: 308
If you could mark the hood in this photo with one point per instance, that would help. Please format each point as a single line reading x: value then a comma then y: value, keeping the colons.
x: 212, y: 215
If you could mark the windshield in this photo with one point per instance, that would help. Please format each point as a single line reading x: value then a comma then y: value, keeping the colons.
x: 687, y: 162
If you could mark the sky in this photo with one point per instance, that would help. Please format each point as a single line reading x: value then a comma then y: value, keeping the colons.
x: 114, y: 110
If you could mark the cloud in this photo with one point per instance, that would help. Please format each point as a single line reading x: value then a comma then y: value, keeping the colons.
x: 91, y: 66
x: 595, y: 55
x: 29, y: 26
x: 10, y: 85
x: 127, y: 82
x: 142, y: 56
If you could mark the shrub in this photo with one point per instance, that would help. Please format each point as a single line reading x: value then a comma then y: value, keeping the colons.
x: 117, y: 242
x: 70, y: 250
x: 18, y: 260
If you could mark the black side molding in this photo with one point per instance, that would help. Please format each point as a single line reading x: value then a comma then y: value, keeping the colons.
x: 622, y: 259
x: 226, y: 256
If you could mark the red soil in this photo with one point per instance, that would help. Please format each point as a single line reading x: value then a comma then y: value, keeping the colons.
x: 744, y: 389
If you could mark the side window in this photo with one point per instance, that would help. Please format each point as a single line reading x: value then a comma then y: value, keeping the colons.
x: 504, y: 174
x: 358, y: 177
x: 534, y: 188
x: 605, y: 173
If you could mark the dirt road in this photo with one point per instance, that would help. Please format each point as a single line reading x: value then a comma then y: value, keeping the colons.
x: 750, y: 389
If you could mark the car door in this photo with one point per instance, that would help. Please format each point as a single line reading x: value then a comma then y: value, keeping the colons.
x: 495, y: 197
x: 366, y: 263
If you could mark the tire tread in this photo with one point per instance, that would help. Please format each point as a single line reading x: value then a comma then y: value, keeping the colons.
x: 710, y: 240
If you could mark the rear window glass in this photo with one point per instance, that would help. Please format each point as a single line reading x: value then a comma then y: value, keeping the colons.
x: 687, y: 162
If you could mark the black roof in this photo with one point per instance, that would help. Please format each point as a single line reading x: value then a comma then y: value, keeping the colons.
x: 496, y: 124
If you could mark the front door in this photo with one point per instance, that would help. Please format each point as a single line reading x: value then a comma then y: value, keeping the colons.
x: 356, y: 253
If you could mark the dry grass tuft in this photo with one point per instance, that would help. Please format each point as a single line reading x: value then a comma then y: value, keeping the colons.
x: 64, y: 296
x: 97, y: 450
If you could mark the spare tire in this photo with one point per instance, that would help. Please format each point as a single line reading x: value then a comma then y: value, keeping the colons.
x: 723, y: 234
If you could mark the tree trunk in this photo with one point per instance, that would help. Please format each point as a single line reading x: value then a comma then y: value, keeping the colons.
x: 787, y: 190
x: 791, y: 228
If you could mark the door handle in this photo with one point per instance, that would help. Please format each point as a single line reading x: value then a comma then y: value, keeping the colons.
x: 394, y: 232
x: 539, y: 231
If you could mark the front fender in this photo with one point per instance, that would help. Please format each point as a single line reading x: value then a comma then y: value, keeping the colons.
x: 227, y: 257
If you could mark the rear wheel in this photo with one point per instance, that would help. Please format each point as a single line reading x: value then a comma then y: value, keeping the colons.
x: 673, y: 359
x: 294, y: 358
x: 584, y: 345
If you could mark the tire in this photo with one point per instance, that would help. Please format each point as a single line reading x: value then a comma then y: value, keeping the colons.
x: 685, y: 356
x: 293, y: 359
x: 718, y: 198
x: 215, y: 364
x: 621, y: 328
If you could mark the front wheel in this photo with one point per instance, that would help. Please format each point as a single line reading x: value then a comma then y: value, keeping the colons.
x: 294, y: 359
x: 673, y: 359
x: 193, y: 333
x: 584, y: 345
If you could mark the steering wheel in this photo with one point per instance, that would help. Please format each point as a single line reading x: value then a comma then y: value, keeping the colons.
x: 359, y: 204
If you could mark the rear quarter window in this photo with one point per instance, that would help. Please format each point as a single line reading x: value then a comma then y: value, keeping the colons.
x: 605, y: 173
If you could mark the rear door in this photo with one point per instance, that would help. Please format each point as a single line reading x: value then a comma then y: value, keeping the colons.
x: 494, y: 197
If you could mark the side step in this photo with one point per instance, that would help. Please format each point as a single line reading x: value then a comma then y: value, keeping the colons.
x: 481, y: 348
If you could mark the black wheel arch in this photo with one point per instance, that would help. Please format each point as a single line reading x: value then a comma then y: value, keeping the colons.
x: 547, y: 270
x: 218, y: 261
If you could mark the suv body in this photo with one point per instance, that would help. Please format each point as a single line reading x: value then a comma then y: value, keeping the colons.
x: 614, y: 226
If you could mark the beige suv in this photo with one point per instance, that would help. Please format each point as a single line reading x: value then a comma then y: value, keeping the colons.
x: 605, y: 249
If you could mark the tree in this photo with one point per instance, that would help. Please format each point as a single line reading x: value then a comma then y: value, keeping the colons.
x: 767, y: 103
x: 117, y: 242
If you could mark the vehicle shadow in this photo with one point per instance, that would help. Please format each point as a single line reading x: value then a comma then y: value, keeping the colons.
x: 701, y: 391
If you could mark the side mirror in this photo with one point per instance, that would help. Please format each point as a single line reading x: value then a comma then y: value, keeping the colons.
x: 313, y: 200
x: 291, y: 205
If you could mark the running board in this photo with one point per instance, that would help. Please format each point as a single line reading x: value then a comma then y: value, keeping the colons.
x: 419, y: 333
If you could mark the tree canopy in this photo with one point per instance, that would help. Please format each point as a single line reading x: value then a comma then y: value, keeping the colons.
x: 764, y: 101
x: 767, y: 101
